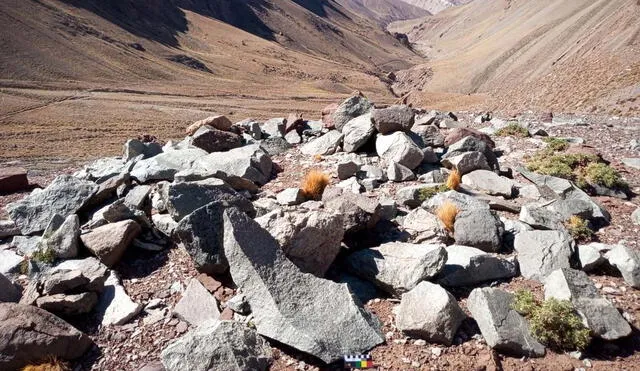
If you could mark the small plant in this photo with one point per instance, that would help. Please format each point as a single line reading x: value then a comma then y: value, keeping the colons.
x: 513, y: 129
x: 447, y: 213
x: 24, y: 266
x: 428, y: 192
x: 44, y: 255
x: 579, y: 228
x: 566, y: 166
x: 314, y: 184
x: 317, y: 158
x: 556, y: 144
x: 53, y: 364
x: 553, y: 322
x: 604, y: 175
x: 453, y: 180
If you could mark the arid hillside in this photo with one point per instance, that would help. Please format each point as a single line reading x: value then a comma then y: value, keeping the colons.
x: 581, y: 56
x: 435, y: 6
x: 385, y: 11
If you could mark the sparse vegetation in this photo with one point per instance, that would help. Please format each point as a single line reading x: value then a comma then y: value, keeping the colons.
x: 604, y: 175
x: 453, y: 180
x: 556, y: 144
x: 24, y: 266
x: 447, y: 213
x: 513, y: 129
x: 428, y: 192
x: 553, y: 322
x: 53, y: 364
x: 314, y: 184
x: 44, y: 255
x: 579, y: 228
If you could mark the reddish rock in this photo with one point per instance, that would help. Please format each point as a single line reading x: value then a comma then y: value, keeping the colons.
x: 13, y: 179
x: 294, y: 121
x: 210, y: 283
x: 460, y: 133
x: 217, y: 122
x: 327, y: 114
x: 226, y: 315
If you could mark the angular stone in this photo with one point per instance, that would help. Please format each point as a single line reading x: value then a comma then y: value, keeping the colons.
x: 429, y: 312
x: 489, y: 182
x: 274, y: 128
x: 359, y: 212
x: 347, y: 169
x: 8, y: 228
x: 290, y: 197
x: 275, y: 145
x: 590, y: 257
x: 349, y: 109
x: 197, y: 305
x: 219, y: 122
x: 627, y: 261
x: 410, y: 196
x: 399, y: 148
x: 467, y: 162
x: 633, y: 163
x: 393, y: 118
x: 134, y: 148
x: 250, y: 162
x: 397, y: 267
x: 600, y: 315
x: 424, y: 226
x: 9, y: 293
x: 64, y: 240
x: 542, y: 252
x: 459, y: 134
x: 327, y: 144
x: 399, y: 173
x: 64, y: 196
x: 165, y: 224
x: 91, y: 268
x: 468, y: 266
x: 69, y: 305
x: 568, y: 208
x: 213, y: 140
x: 541, y: 217
x: 357, y: 132
x: 138, y: 197
x: 108, y: 243
x: 218, y: 345
x: 311, y: 240
x: 327, y: 115
x: 165, y: 165
x: 13, y: 179
x: 63, y: 281
x: 25, y: 245
x: 293, y: 137
x: 31, y: 334
x: 479, y: 228
x: 289, y: 306
x: 115, y: 307
x: 461, y: 200
x: 429, y: 135
x: 504, y: 329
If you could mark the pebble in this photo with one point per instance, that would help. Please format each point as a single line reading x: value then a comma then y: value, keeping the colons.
x: 182, y: 327
x: 400, y: 341
x: 576, y: 355
x: 587, y: 363
x: 420, y: 342
x: 388, y: 335
x: 436, y: 351
x: 415, y: 364
x: 609, y: 290
x: 406, y: 360
x: 598, y: 285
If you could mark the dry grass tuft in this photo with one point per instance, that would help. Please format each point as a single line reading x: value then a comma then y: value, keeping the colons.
x: 454, y: 179
x: 314, y: 184
x: 53, y: 364
x: 447, y: 213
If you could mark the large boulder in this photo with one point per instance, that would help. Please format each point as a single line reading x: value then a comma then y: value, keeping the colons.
x: 424, y: 226
x: 468, y: 266
x: 165, y: 165
x: 429, y: 312
x: 218, y: 345
x: 542, y: 252
x: 473, y: 144
x: 197, y: 306
x: 350, y: 108
x: 600, y: 315
x: 428, y: 135
x: 289, y: 306
x: 394, y: 118
x: 62, y: 236
x: 219, y: 122
x: 249, y: 162
x: 109, y: 242
x: 310, y: 239
x: 29, y: 334
x: 9, y: 293
x: 467, y: 162
x: 65, y: 196
x: 357, y: 132
x: 458, y: 134
x: 489, y: 182
x: 13, y: 179
x: 627, y: 261
x: 134, y: 148
x: 397, y: 267
x: 214, y: 140
x: 359, y: 212
x: 327, y: 144
x: 399, y: 148
x: 480, y: 228
x: 504, y: 329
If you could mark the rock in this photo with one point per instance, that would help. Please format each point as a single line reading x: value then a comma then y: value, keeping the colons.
x: 357, y: 132
x: 424, y: 226
x: 635, y: 217
x: 13, y: 179
x: 115, y: 307
x: 541, y: 217
x: 429, y: 135
x: 165, y: 165
x: 397, y: 267
x: 632, y: 162
x: 91, y: 269
x: 530, y: 192
x: 265, y: 205
x: 473, y: 144
x: 479, y: 228
x: 219, y: 122
x: 359, y: 212
x: 568, y: 208
x: 290, y: 197
x: 489, y: 182
x: 410, y: 196
x: 393, y: 118
x: 429, y: 312
x: 467, y: 162
x: 372, y: 172
x: 138, y: 197
x: 218, y: 345
x: 213, y: 140
x: 63, y: 240
x: 311, y: 240
x: 289, y: 306
x: 351, y: 185
x: 430, y: 157
x: 250, y: 127
x: 25, y: 245
x: 327, y: 115
x: 293, y: 137
x: 327, y: 144
x: 399, y: 173
x: 197, y: 305
x: 183, y: 198
x: 468, y: 267
x: 69, y: 305
x: 590, y: 257
x: 31, y: 334
x: 388, y: 209
x: 600, y: 315
x: 347, y: 169
x: 542, y: 252
x: 275, y: 128
x: 627, y: 261
x: 461, y: 200
x: 459, y: 134
x: 134, y: 148
x: 350, y: 108
x: 503, y: 328
x: 109, y: 242
x: 9, y: 293
x: 399, y: 148
x: 511, y: 229
x: 275, y: 145
x: 239, y: 304
x: 63, y: 281
x: 250, y: 162
x: 8, y: 228
x: 65, y: 196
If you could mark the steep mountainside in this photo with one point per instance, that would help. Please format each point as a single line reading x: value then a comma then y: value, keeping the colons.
x: 384, y: 11
x: 546, y: 54
x: 435, y: 6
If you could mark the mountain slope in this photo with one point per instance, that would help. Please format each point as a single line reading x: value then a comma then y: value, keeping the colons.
x: 546, y: 54
x: 435, y: 6
x: 384, y: 11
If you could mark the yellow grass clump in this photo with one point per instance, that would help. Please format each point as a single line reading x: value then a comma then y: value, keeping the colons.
x: 53, y: 364
x: 447, y: 213
x: 314, y: 184
x: 454, y: 179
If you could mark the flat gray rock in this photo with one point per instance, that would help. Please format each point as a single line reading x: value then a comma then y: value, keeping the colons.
x: 424, y: 226
x: 540, y: 217
x: 479, y: 228
x: 197, y: 305
x: 590, y: 257
x: 393, y: 118
x: 289, y: 306
x: 290, y: 197
x: 627, y: 261
x: 91, y: 268
x: 69, y: 305
x: 504, y: 329
x: 26, y: 245
x: 134, y: 148
x: 468, y: 266
x: 349, y: 109
x: 214, y: 140
x: 63, y: 281
x: 109, y: 242
x: 357, y: 132
x: 115, y: 307
x: 632, y: 162
x: 64, y: 239
x: 165, y: 165
x: 9, y: 261
x: 250, y: 162
x: 461, y: 200
x: 397, y: 267
x: 489, y: 182
x: 399, y: 173
x: 399, y: 148
x: 542, y: 252
x: 327, y: 144
x: 467, y: 162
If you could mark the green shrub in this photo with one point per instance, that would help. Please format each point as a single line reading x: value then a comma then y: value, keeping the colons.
x: 553, y: 322
x: 556, y: 144
x: 604, y: 175
x: 560, y: 165
x: 579, y: 228
x: 24, y: 266
x: 44, y: 255
x: 513, y: 129
x: 428, y: 192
